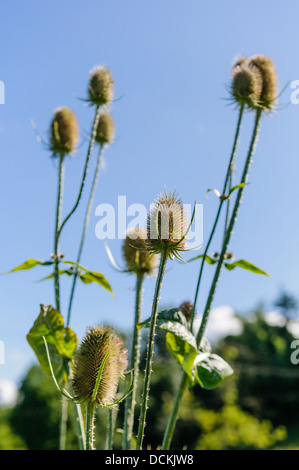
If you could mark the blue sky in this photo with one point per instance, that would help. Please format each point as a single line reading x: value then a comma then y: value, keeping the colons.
x: 171, y: 63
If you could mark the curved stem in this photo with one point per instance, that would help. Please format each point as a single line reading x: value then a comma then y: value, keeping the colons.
x: 56, y: 237
x: 228, y: 173
x: 90, y: 146
x: 150, y: 350
x: 184, y: 381
x: 134, y: 365
x: 85, y: 227
x: 90, y: 412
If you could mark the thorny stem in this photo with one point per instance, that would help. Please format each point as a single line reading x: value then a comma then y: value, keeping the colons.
x: 184, y: 381
x: 134, y: 366
x: 90, y: 416
x: 228, y: 173
x: 85, y: 227
x: 150, y: 350
x: 56, y: 236
x: 90, y: 146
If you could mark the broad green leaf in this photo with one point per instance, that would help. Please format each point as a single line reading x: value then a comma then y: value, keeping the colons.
x: 61, y: 341
x: 29, y: 264
x: 208, y: 259
x: 170, y: 314
x: 182, y: 351
x: 205, y: 346
x: 211, y: 370
x: 242, y: 263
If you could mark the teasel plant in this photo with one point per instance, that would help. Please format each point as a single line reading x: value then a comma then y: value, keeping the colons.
x: 140, y: 263
x: 98, y: 364
x: 63, y: 142
x: 254, y: 88
x: 166, y: 236
x: 103, y: 137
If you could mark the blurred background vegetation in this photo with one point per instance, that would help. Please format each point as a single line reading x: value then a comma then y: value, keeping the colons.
x: 256, y: 408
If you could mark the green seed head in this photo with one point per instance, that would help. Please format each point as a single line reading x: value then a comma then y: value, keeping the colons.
x: 105, y: 129
x: 269, y: 80
x: 100, y: 88
x: 246, y: 84
x: 64, y: 132
x: 166, y: 225
x: 137, y: 258
x: 97, y: 343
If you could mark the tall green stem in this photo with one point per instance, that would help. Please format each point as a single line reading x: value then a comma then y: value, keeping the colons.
x: 110, y: 429
x: 56, y: 236
x: 228, y: 173
x: 85, y: 227
x: 184, y: 381
x: 90, y: 146
x: 150, y: 350
x: 134, y: 366
x: 90, y: 415
x: 230, y: 227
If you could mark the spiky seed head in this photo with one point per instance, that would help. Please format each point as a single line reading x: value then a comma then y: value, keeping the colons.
x: 105, y: 129
x: 269, y: 79
x: 97, y: 343
x: 166, y: 225
x: 246, y: 85
x: 186, y: 308
x: 64, y: 132
x: 100, y: 87
x: 136, y: 256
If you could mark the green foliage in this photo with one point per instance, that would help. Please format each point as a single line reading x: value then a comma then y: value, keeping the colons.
x: 9, y: 440
x: 62, y: 342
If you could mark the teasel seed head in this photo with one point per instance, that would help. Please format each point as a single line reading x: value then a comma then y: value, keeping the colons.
x: 166, y: 225
x: 269, y: 80
x: 100, y: 87
x: 138, y: 259
x: 97, y: 343
x: 186, y: 308
x: 105, y: 129
x: 247, y: 84
x: 64, y: 132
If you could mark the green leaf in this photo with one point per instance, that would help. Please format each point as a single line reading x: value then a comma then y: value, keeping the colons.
x: 29, y: 264
x: 208, y: 259
x: 182, y: 351
x: 91, y: 276
x: 166, y: 315
x: 238, y: 186
x: 61, y: 341
x: 61, y: 272
x: 242, y: 263
x: 211, y: 370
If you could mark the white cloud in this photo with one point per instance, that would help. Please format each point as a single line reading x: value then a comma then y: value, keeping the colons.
x: 8, y: 393
x: 222, y: 322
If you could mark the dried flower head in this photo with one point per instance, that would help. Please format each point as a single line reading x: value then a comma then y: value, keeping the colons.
x: 269, y: 79
x: 64, y: 132
x: 97, y: 343
x: 138, y: 259
x: 186, y: 308
x: 100, y: 87
x: 105, y: 129
x: 246, y: 85
x: 166, y: 225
